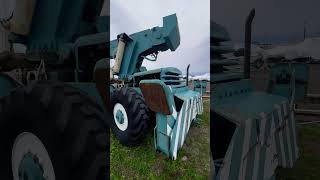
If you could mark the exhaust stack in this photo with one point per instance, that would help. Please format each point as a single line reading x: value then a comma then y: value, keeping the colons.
x: 187, y: 78
x: 247, y: 48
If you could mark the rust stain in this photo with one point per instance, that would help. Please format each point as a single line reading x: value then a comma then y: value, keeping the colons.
x: 155, y: 98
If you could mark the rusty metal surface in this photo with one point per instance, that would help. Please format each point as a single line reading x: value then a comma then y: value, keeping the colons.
x: 155, y: 98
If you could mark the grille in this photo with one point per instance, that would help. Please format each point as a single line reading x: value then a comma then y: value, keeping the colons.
x: 173, y: 79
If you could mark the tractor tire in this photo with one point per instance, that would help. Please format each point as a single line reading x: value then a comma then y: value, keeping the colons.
x: 68, y: 124
x: 136, y: 116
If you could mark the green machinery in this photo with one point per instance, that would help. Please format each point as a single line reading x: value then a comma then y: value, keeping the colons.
x: 253, y: 132
x: 53, y: 99
x: 138, y: 94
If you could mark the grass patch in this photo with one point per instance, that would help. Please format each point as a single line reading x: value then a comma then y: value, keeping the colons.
x: 143, y: 162
x: 308, y: 164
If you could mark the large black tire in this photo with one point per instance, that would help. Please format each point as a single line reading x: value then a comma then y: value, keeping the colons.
x: 66, y: 120
x: 138, y: 116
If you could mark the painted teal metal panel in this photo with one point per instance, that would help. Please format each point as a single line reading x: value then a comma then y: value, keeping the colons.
x: 57, y: 24
x: 200, y: 86
x: 171, y: 130
x: 266, y: 131
x: 145, y: 43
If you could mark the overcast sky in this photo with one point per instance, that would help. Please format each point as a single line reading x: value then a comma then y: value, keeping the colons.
x: 194, y: 25
x: 276, y: 21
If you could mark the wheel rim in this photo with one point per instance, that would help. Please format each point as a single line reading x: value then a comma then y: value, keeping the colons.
x: 30, y: 159
x: 120, y: 117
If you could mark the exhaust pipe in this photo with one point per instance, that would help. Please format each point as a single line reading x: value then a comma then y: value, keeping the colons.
x: 247, y: 48
x: 187, y: 78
